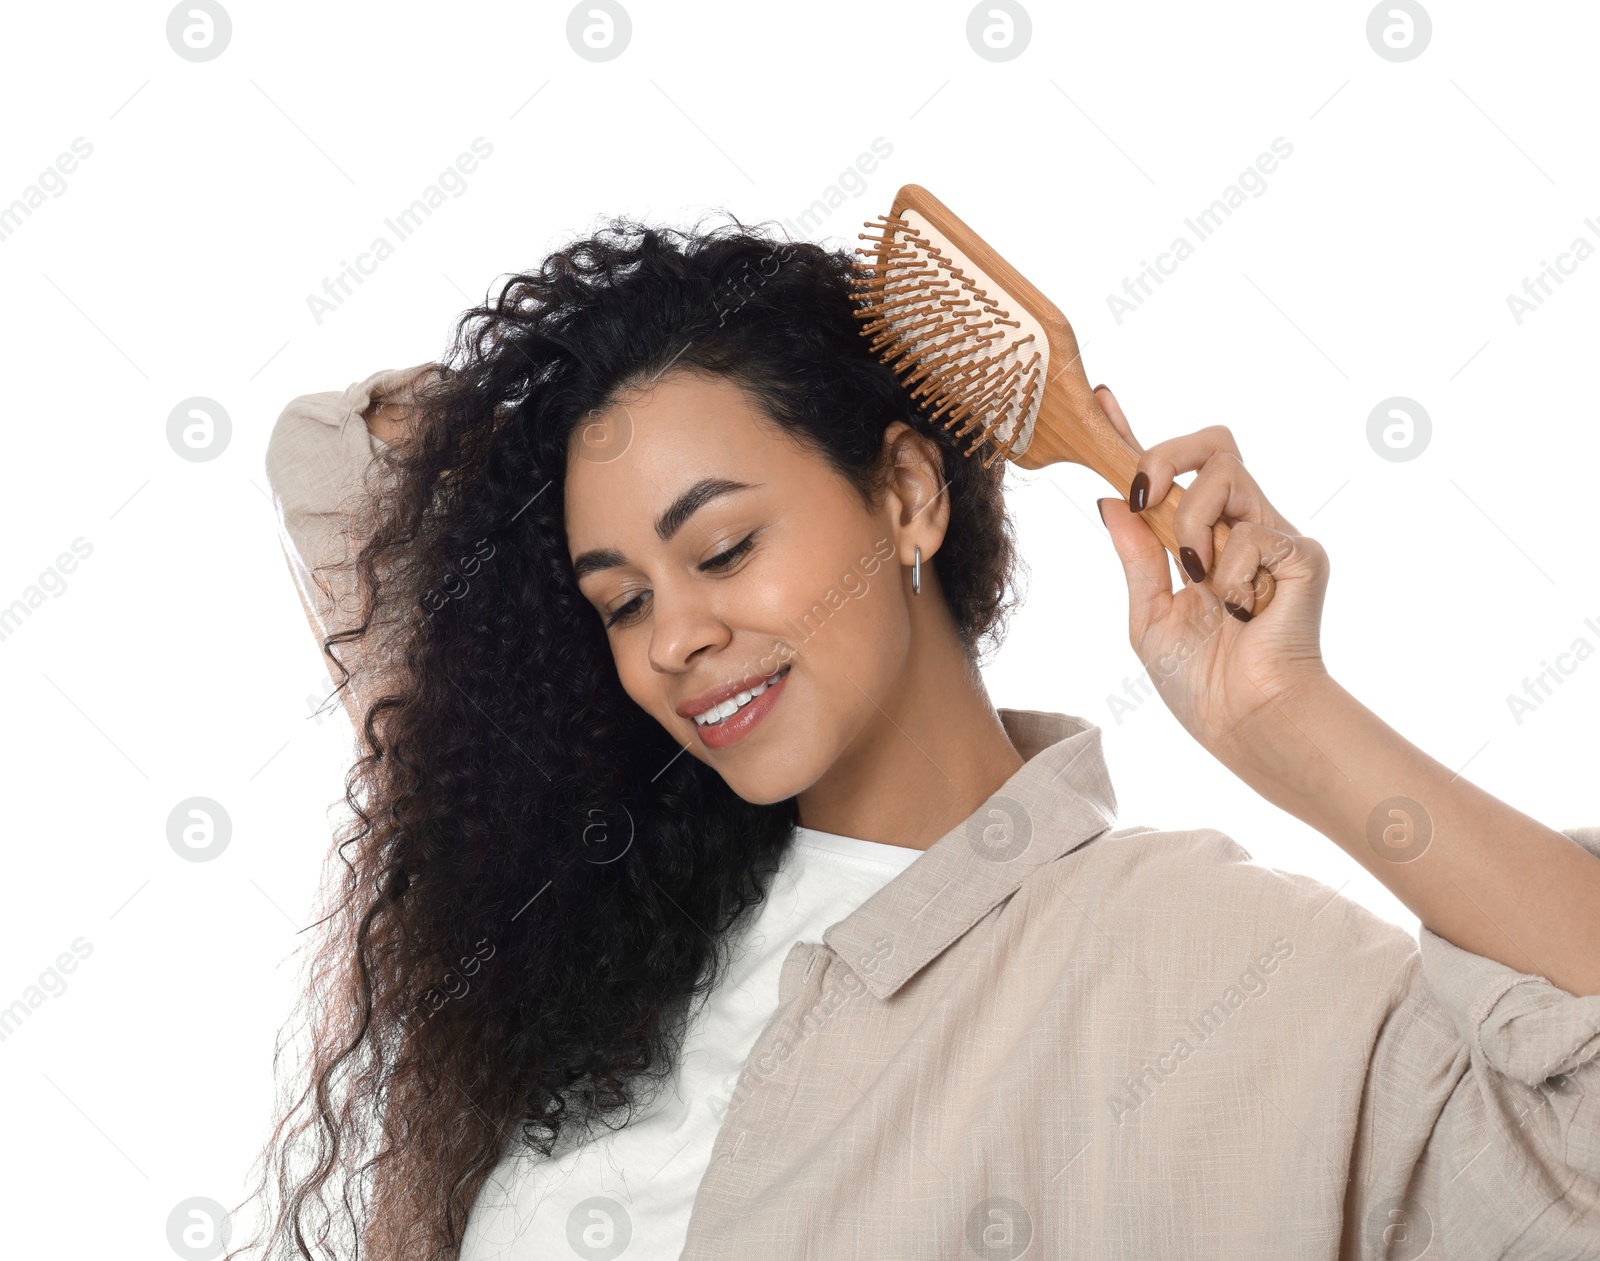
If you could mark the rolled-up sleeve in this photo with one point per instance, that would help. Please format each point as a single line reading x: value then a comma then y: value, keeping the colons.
x: 1480, y: 1130
x: 320, y: 464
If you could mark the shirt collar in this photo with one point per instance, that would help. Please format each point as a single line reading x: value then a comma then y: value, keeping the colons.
x: 1059, y: 799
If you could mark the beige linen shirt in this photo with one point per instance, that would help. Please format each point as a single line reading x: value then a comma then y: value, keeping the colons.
x: 1054, y: 1037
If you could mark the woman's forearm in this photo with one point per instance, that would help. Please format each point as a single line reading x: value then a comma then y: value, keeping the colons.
x: 1477, y: 872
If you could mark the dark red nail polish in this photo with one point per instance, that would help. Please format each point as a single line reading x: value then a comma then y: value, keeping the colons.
x: 1139, y: 492
x: 1101, y: 504
x: 1190, y: 559
x: 1238, y: 610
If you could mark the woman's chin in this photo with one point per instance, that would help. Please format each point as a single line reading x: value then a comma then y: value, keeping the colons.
x: 766, y: 776
x: 766, y: 785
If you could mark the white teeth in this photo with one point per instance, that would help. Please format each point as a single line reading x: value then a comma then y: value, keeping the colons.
x: 727, y: 709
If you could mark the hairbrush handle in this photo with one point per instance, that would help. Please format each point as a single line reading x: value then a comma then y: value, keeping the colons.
x: 1159, y: 519
x: 1072, y: 427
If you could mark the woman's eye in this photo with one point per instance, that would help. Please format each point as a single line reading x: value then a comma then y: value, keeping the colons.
x: 633, y: 609
x: 723, y: 559
x: 627, y: 612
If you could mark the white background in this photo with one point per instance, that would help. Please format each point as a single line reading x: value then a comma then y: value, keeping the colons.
x: 176, y: 662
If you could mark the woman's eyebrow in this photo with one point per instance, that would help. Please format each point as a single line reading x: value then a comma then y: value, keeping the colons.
x: 668, y: 523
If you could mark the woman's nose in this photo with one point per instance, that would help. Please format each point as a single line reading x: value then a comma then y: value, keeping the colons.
x: 682, y: 623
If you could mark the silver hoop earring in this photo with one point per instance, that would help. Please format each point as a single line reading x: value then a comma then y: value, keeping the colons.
x: 916, y: 572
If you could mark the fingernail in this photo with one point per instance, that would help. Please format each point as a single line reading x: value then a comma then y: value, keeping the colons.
x: 1238, y: 610
x: 1191, y: 563
x: 1101, y: 504
x: 1138, y: 492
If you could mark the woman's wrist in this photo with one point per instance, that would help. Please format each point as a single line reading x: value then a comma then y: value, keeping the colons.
x: 1276, y: 752
x: 385, y: 420
x: 1317, y: 753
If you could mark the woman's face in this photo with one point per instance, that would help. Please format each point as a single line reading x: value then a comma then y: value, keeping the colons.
x: 723, y: 556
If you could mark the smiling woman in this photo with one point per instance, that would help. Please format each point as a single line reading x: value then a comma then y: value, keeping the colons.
x: 670, y: 500
x: 699, y: 904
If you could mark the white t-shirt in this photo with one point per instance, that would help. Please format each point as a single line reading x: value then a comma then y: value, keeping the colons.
x: 630, y: 1192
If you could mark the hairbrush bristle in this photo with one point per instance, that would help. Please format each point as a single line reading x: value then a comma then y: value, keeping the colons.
x: 941, y: 326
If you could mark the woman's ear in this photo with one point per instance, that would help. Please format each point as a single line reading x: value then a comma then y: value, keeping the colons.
x: 917, y: 502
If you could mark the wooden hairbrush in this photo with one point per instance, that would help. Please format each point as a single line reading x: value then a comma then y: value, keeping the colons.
x: 965, y: 330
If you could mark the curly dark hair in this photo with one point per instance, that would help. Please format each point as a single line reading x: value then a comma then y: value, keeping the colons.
x: 485, y: 975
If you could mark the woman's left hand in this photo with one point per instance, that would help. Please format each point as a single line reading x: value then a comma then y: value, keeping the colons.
x: 1225, y: 677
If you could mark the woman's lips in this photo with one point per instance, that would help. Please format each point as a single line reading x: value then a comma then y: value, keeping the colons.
x: 732, y: 730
